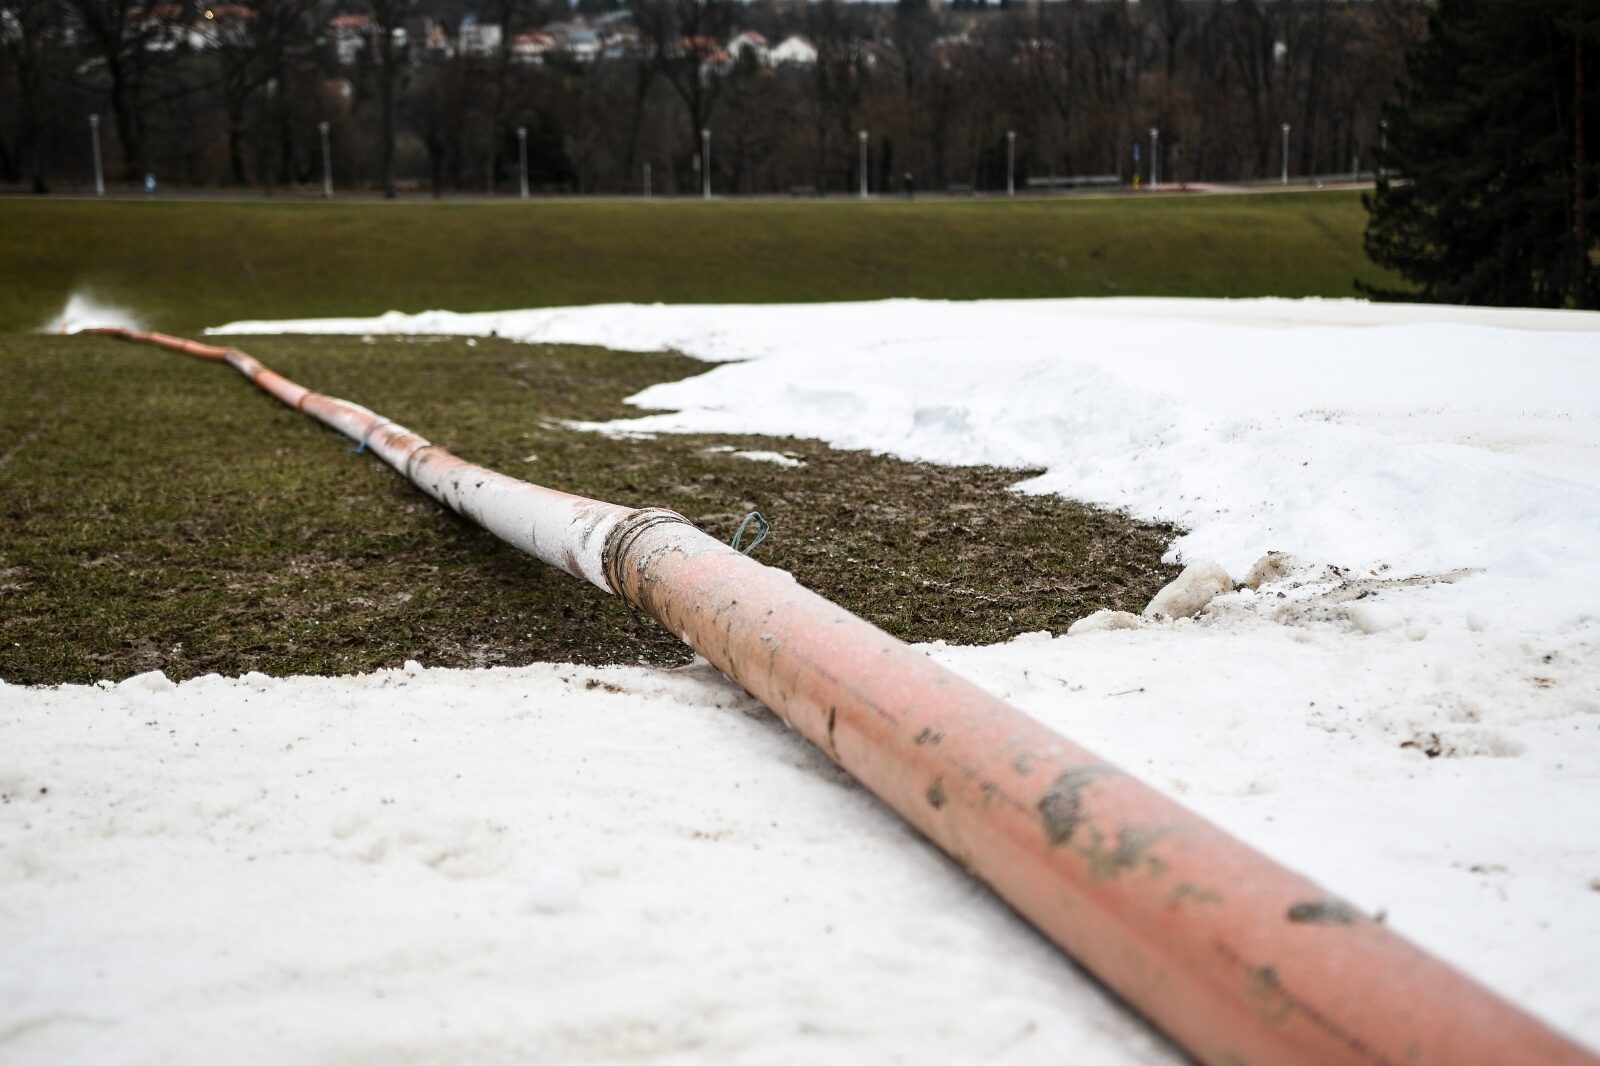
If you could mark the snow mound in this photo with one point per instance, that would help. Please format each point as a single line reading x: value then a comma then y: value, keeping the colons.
x: 1190, y: 592
x: 1105, y: 622
x: 1338, y: 431
x: 150, y: 681
x: 1273, y: 566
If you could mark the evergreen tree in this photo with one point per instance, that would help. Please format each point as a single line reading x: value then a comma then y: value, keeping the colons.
x: 1487, y: 190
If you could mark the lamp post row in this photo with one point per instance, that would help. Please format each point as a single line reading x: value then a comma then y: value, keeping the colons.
x: 522, y: 158
x: 705, y: 159
x: 1011, y: 162
x: 863, y: 140
x: 327, y: 161
x: 99, y: 170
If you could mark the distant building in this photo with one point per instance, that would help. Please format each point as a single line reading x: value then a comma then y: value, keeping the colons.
x: 752, y: 44
x: 531, y: 48
x: 619, y: 41
x: 162, y: 28
x: 794, y: 50
x: 436, y: 40
x: 478, y: 38
x: 350, y: 34
x: 575, y: 39
x: 582, y: 45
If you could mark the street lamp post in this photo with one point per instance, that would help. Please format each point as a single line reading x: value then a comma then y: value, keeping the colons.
x: 522, y: 157
x: 647, y: 181
x: 327, y: 162
x: 1383, y: 140
x: 99, y: 169
x: 862, y: 137
x: 705, y: 164
x: 1285, y: 180
x: 1011, y: 162
x: 1155, y: 157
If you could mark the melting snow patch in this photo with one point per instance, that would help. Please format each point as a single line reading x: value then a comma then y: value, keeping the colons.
x: 1338, y: 431
x: 775, y: 458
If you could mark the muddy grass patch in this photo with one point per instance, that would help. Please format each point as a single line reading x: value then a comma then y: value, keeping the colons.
x: 160, y: 513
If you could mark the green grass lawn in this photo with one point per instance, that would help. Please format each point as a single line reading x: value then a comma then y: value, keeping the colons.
x: 184, y: 265
x: 161, y: 513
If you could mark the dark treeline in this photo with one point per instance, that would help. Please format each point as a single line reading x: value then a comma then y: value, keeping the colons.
x: 432, y: 94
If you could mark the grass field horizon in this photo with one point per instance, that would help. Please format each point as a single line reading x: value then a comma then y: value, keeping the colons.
x: 185, y: 265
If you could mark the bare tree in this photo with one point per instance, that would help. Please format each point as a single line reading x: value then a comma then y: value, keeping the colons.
x: 248, y: 45
x: 1078, y: 81
x: 1172, y: 20
x: 838, y: 86
x: 686, y: 37
x: 389, y: 17
x: 126, y: 38
x: 510, y: 15
x: 644, y: 66
x: 33, y: 46
x: 436, y: 111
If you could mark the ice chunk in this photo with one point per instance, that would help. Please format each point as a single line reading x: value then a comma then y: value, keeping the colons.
x: 1101, y: 621
x: 150, y: 681
x: 555, y: 889
x: 1273, y: 566
x: 1187, y: 595
x: 1374, y: 617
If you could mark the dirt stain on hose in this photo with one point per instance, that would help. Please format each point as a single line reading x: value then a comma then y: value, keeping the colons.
x: 1323, y: 912
x: 1061, y: 807
x: 1266, y: 996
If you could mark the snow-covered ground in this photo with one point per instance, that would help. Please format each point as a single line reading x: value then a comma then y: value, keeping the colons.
x: 576, y: 865
x: 1425, y: 438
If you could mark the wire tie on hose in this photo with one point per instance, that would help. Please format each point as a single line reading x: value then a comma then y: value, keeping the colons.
x: 361, y: 445
x: 763, y: 527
